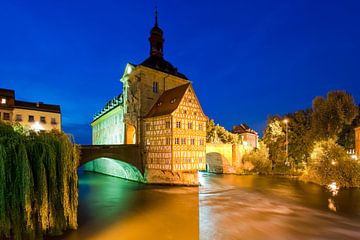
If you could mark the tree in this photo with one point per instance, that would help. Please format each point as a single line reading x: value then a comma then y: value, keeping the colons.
x: 330, y: 163
x: 300, y: 135
x: 217, y: 132
x: 346, y: 137
x: 330, y: 115
x: 274, y: 138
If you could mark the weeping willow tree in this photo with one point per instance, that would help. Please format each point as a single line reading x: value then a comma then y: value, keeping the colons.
x: 38, y: 183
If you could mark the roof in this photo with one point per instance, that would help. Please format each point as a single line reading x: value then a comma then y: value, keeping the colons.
x: 168, y: 102
x: 7, y: 93
x: 37, y: 106
x: 243, y: 128
x: 160, y: 64
x: 109, y: 106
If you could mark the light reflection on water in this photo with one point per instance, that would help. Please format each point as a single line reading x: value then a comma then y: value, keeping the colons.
x: 256, y: 207
x: 230, y: 207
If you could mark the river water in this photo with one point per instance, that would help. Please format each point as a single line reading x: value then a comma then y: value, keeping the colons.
x: 224, y: 207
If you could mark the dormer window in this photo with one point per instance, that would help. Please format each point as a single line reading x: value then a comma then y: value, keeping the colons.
x: 173, y: 100
x: 159, y: 104
x: 3, y: 100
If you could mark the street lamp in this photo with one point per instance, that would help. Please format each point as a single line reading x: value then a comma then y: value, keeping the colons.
x: 286, y: 121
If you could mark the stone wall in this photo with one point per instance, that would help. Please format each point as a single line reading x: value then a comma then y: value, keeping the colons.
x: 154, y: 176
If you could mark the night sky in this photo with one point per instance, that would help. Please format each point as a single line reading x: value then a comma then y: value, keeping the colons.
x: 247, y: 59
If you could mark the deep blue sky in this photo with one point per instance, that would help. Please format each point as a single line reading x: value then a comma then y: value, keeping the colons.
x: 247, y: 59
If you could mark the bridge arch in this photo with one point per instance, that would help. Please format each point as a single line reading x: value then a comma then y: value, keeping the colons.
x: 115, y: 160
x: 219, y: 157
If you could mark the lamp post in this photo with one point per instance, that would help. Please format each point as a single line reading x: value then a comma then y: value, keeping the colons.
x: 286, y: 121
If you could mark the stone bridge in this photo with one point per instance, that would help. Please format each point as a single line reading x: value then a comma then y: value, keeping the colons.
x: 128, y: 153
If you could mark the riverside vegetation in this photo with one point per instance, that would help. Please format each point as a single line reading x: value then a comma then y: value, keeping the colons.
x: 317, y: 140
x: 38, y: 183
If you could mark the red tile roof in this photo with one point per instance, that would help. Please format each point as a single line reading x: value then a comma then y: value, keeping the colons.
x: 168, y: 102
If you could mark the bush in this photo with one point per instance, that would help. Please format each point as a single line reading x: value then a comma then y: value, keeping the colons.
x: 329, y: 163
x: 257, y: 160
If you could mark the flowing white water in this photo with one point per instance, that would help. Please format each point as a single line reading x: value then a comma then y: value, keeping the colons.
x: 224, y: 207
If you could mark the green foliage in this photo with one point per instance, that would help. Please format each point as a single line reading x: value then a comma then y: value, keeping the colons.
x: 38, y: 183
x: 332, y: 117
x: 300, y: 136
x: 274, y: 138
x: 331, y: 114
x: 258, y: 159
x: 217, y: 133
x: 329, y: 163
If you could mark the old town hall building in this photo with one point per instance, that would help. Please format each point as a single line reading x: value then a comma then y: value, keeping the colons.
x: 158, y: 110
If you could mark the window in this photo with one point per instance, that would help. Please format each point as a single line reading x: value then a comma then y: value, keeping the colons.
x: 42, y: 119
x: 190, y: 125
x: 53, y: 121
x: 178, y: 124
x: 192, y: 141
x: 31, y: 118
x: 183, y: 140
x: 6, y: 116
x: 168, y: 141
x: 155, y: 87
x: 200, y: 159
x: 18, y: 118
x: 195, y: 113
x: 167, y: 124
x: 177, y: 141
x: 200, y: 127
x: 147, y: 127
x: 201, y: 141
x: 3, y: 100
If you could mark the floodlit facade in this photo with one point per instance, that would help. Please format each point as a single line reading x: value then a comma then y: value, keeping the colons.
x: 155, y: 98
x: 35, y: 116
x: 357, y: 142
x: 175, y: 132
x: 108, y: 124
x: 248, y: 136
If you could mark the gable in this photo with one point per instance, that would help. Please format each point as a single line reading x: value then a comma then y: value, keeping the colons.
x: 190, y: 106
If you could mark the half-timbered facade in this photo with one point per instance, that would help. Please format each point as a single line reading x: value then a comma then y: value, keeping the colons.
x: 175, y: 132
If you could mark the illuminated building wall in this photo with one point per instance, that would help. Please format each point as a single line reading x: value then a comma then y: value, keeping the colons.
x: 176, y: 141
x: 109, y: 128
x: 357, y: 141
x: 35, y: 116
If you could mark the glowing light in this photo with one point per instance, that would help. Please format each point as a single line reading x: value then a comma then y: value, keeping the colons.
x: 286, y: 121
x: 334, y: 189
x: 3, y: 101
x: 245, y: 143
x: 333, y: 162
x: 37, y: 127
x: 129, y: 70
x: 331, y: 205
x: 354, y: 157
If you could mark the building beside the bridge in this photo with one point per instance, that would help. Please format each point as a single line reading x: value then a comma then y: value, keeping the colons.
x: 248, y: 136
x: 36, y: 116
x: 175, y: 132
x: 357, y: 142
x: 158, y: 110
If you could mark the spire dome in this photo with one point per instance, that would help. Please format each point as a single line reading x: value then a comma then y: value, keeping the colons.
x: 156, y: 39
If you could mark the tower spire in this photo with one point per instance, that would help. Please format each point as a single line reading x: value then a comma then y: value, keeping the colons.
x: 156, y: 38
x: 156, y: 17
